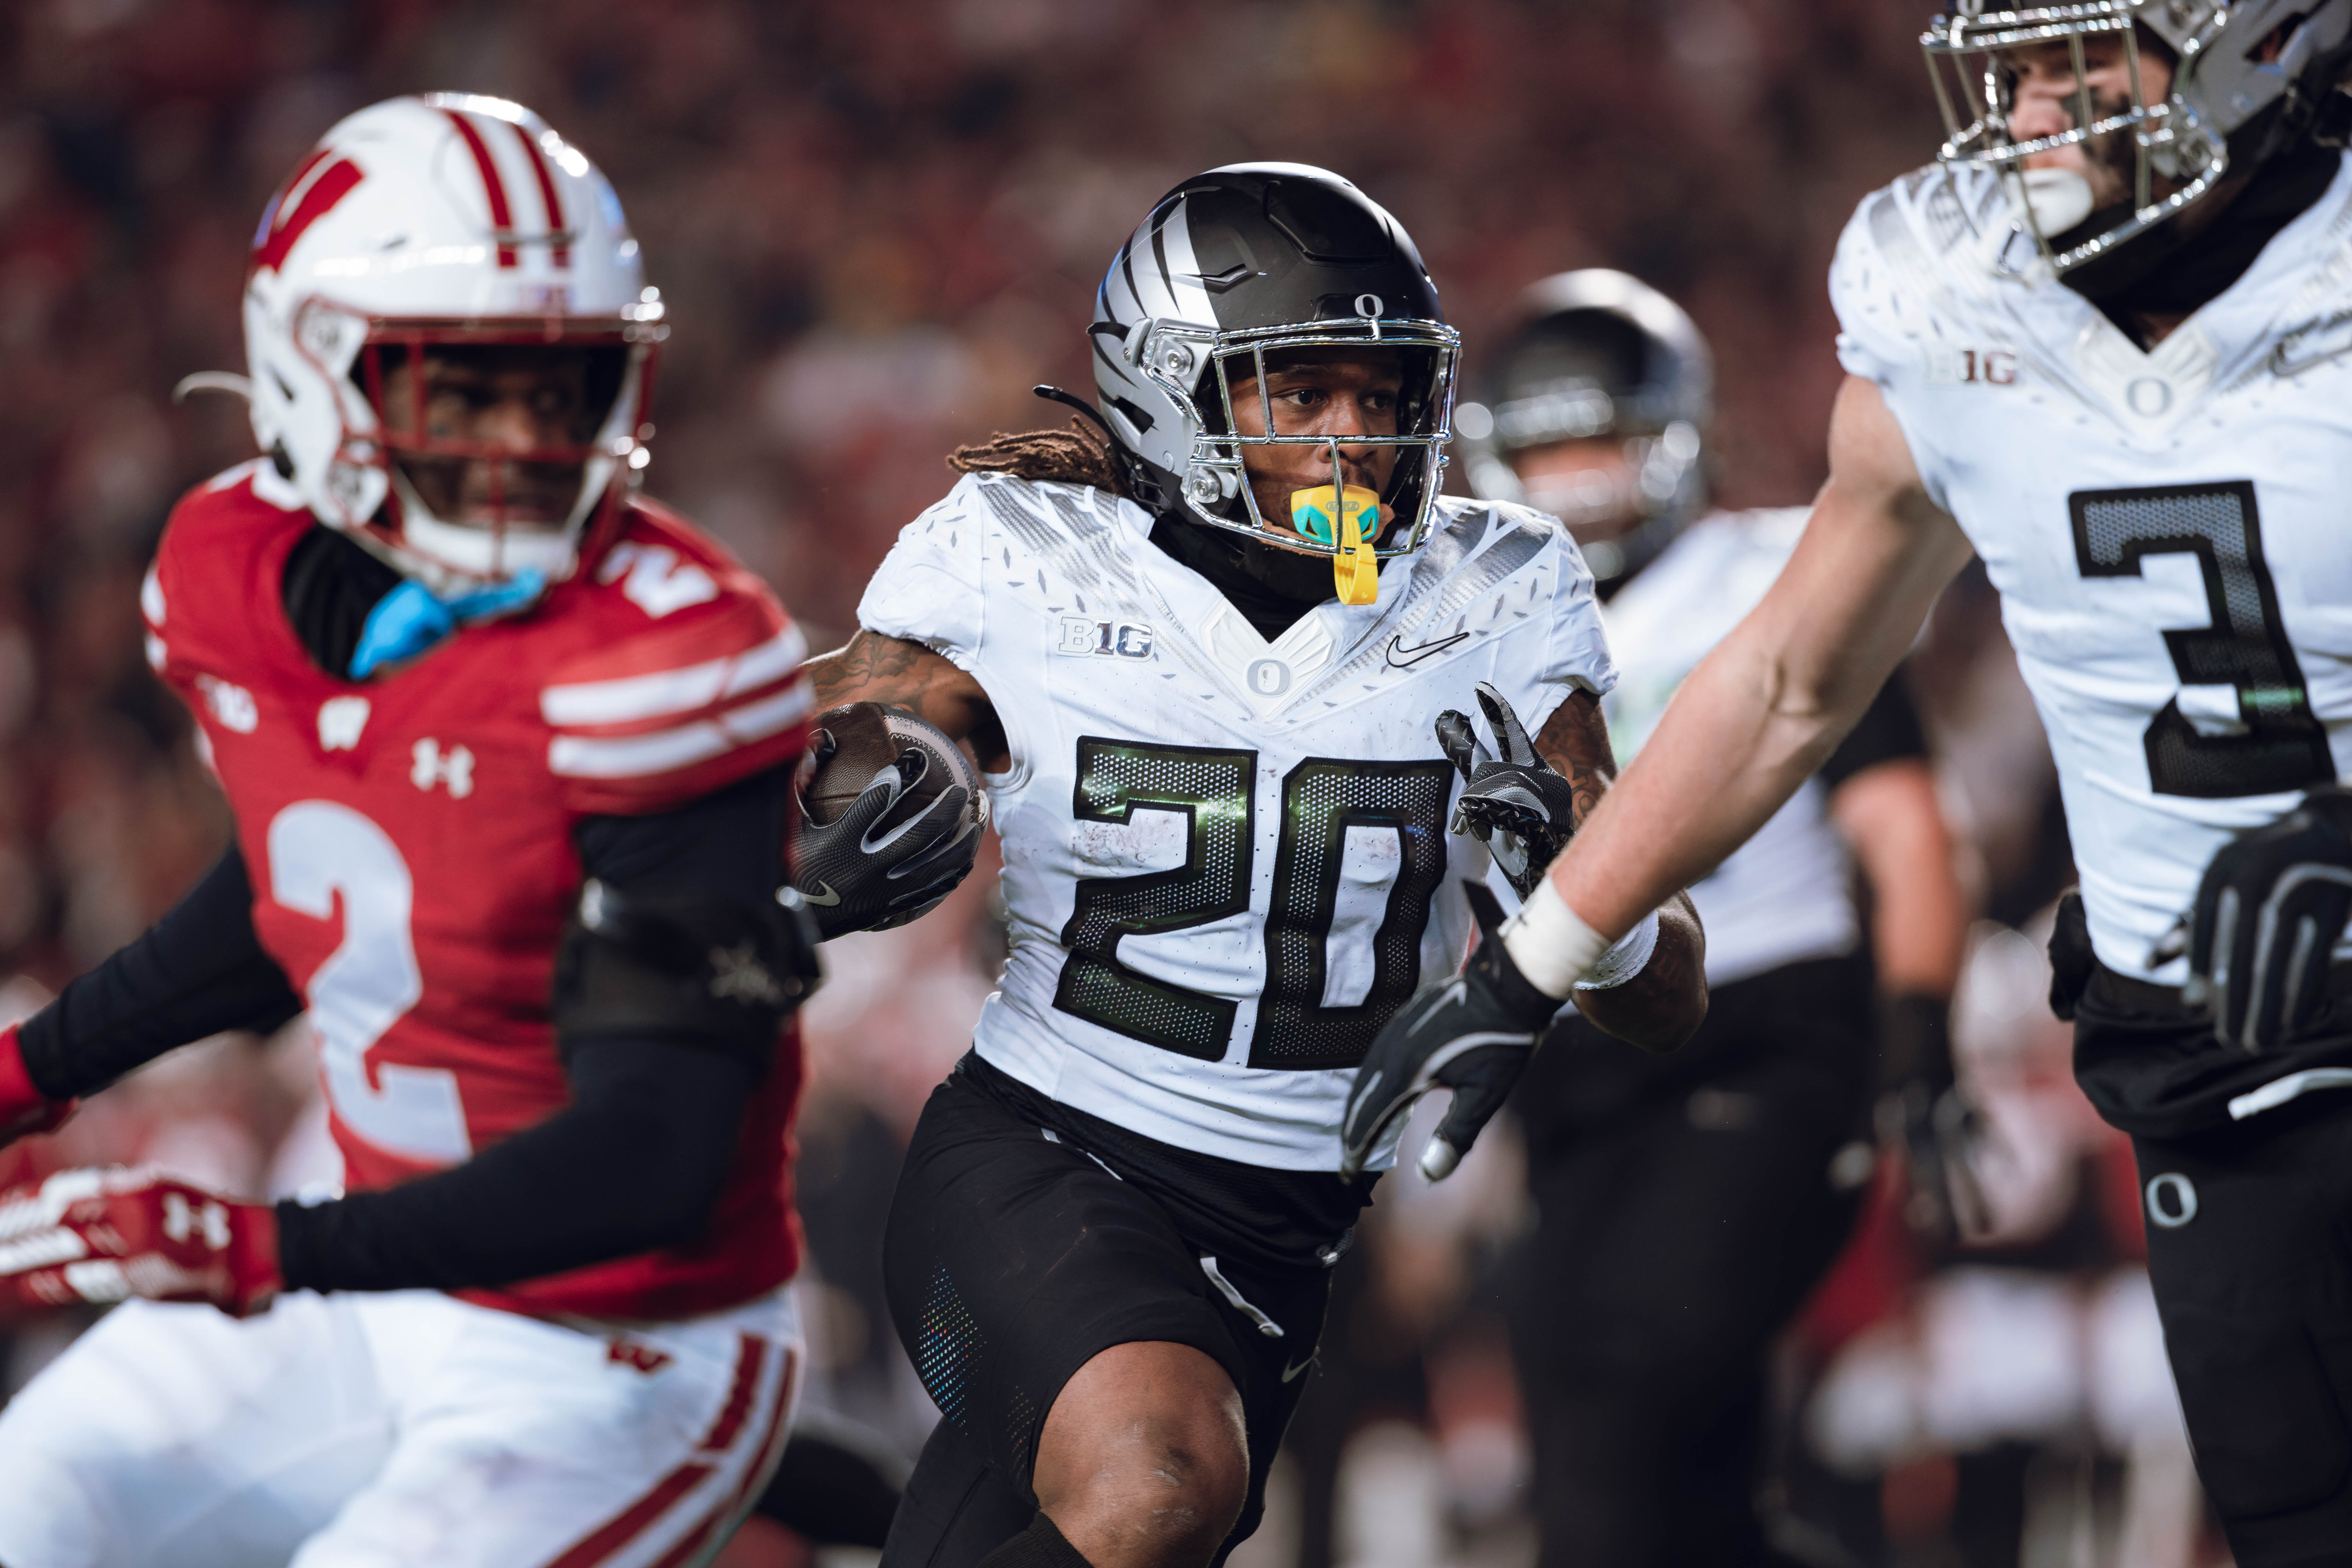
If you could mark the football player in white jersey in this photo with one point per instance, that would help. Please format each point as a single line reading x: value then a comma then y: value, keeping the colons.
x: 2103, y: 344
x: 1686, y: 1204
x: 1201, y: 663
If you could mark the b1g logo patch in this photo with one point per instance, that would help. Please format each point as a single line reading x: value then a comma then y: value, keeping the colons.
x: 1970, y: 367
x: 1081, y: 637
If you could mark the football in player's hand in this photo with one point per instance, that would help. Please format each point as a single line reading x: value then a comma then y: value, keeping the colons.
x: 891, y: 811
x: 857, y: 743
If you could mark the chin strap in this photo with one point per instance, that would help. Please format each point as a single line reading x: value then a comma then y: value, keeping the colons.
x: 412, y: 618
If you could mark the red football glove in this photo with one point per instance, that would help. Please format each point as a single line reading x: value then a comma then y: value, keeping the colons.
x: 102, y: 1236
x: 23, y: 1108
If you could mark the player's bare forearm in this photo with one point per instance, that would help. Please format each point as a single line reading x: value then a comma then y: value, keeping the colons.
x: 1764, y: 710
x: 1664, y: 1006
x: 1661, y: 1006
x: 872, y: 668
x: 1919, y: 915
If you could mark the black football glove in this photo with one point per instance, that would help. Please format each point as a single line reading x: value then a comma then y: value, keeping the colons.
x: 2268, y: 914
x: 1928, y: 1119
x: 876, y: 866
x: 1515, y: 805
x: 1472, y: 1035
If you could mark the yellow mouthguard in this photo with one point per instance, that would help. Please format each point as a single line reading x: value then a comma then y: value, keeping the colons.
x: 1355, y: 571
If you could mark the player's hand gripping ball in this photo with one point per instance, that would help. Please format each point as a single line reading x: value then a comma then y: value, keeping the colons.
x: 2269, y: 912
x: 105, y: 1236
x: 1515, y: 804
x: 891, y: 818
x: 1472, y: 1035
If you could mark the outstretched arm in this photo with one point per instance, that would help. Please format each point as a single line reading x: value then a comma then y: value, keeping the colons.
x: 1662, y: 1006
x: 1768, y: 706
x: 873, y: 667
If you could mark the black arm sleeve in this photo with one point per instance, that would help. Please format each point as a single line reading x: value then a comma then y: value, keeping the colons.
x: 634, y: 1163
x: 197, y: 971
x: 1888, y: 732
x: 638, y: 1158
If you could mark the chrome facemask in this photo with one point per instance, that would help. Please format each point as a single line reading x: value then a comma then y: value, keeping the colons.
x: 1968, y: 61
x: 1197, y: 365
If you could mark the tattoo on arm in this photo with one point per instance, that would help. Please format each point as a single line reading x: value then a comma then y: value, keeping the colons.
x: 1575, y: 741
x: 873, y: 667
x: 869, y: 667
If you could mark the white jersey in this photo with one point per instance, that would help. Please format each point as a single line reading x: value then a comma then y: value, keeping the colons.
x: 1225, y: 860
x: 2167, y: 529
x: 1786, y: 895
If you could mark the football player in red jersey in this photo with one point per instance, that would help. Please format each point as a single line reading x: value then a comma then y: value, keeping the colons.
x: 507, y: 748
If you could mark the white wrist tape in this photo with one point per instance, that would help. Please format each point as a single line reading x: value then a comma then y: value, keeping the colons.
x: 1624, y: 960
x: 1557, y: 953
x: 1549, y: 944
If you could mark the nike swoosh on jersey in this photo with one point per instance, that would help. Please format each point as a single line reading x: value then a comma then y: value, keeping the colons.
x: 1291, y: 1372
x: 823, y: 899
x: 1415, y: 654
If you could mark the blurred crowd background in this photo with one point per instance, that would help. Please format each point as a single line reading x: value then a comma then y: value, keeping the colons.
x: 876, y: 225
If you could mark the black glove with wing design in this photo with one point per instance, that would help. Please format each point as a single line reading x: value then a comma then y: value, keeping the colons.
x: 2269, y: 912
x: 1472, y: 1035
x: 890, y: 819
x: 1517, y: 804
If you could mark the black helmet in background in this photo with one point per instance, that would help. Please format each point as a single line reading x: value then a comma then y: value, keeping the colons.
x: 1597, y: 357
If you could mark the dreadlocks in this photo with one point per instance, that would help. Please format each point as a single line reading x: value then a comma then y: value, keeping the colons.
x: 1078, y: 456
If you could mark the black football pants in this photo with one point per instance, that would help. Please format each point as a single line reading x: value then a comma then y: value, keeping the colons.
x: 1685, y: 1210
x: 2250, y: 1249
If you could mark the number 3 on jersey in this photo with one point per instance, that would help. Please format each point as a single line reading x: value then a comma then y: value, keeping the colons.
x: 1214, y: 790
x: 2271, y: 742
x: 320, y: 854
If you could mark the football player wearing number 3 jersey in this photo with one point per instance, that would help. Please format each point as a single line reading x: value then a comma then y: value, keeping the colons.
x: 1202, y: 663
x: 2103, y: 344
x: 507, y: 750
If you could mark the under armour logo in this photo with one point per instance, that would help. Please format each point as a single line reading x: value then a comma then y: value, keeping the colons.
x: 182, y: 1221
x: 657, y: 582
x: 341, y: 719
x: 431, y: 765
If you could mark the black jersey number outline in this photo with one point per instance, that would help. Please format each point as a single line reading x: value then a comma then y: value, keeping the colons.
x: 2282, y: 747
x: 1214, y: 790
x: 1321, y: 799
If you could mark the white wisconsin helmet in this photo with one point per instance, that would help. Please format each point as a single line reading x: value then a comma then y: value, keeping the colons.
x: 446, y: 219
x: 2251, y: 79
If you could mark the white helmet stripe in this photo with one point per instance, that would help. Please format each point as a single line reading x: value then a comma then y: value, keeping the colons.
x: 1179, y: 273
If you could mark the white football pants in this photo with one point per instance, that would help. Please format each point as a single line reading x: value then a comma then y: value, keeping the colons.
x: 403, y: 1430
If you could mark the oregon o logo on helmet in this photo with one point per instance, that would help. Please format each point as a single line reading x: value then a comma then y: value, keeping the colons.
x: 1371, y: 306
x: 2171, y: 1201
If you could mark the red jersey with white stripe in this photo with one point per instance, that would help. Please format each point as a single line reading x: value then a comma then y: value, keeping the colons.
x: 410, y: 838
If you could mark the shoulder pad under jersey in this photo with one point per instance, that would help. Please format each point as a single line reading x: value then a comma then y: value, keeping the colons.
x: 205, y: 592
x: 690, y: 679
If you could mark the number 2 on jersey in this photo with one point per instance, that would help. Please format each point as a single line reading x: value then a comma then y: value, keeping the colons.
x: 320, y: 853
x: 1213, y: 791
x: 2274, y: 743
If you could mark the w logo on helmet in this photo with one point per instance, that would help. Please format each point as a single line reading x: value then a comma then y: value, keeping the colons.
x: 323, y: 180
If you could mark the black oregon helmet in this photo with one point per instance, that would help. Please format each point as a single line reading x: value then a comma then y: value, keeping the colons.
x: 1599, y: 354
x: 1235, y: 266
